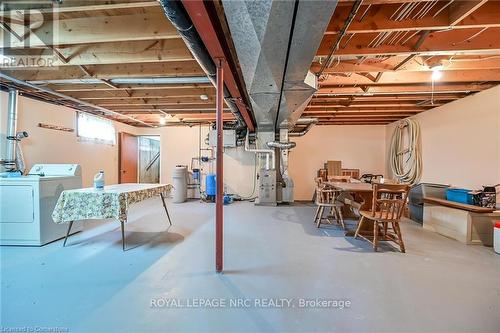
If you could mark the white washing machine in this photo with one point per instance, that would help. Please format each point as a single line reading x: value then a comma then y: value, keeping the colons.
x: 27, y: 203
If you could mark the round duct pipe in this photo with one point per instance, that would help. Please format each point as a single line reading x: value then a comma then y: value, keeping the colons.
x: 281, y: 145
x: 310, y: 123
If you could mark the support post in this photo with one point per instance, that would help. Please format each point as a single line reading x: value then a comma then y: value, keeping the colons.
x: 219, y: 200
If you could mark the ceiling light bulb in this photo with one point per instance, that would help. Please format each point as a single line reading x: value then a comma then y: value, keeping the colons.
x: 163, y: 120
x: 204, y: 97
x: 436, y: 74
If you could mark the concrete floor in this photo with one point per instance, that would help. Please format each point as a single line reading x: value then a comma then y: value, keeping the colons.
x: 439, y: 285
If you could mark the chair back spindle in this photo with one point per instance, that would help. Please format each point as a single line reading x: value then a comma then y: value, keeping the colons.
x: 389, y: 201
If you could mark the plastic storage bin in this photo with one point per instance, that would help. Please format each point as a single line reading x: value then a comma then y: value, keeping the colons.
x: 496, y: 237
x: 459, y: 195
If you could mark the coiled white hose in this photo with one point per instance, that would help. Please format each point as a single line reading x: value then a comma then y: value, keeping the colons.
x: 406, y: 162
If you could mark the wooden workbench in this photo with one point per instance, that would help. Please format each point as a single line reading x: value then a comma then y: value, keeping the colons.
x: 466, y: 223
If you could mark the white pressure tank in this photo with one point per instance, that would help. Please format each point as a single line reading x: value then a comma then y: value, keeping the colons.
x: 179, y: 176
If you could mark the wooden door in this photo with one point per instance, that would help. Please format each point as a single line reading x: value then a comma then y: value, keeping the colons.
x: 128, y: 158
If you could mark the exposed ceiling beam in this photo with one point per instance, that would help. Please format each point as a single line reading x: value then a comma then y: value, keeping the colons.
x: 358, y: 109
x: 465, y: 41
x: 168, y: 105
x: 144, y: 93
x: 84, y: 6
x: 105, y: 53
x: 322, y: 103
x: 382, y: 98
x: 102, y: 87
x: 163, y: 69
x: 415, y: 64
x: 403, y: 89
x: 410, y: 78
x: 379, y: 2
x: 379, y: 20
x: 354, y: 123
x: 95, y: 29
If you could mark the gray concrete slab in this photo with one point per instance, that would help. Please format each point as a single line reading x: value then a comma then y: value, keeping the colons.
x: 439, y: 285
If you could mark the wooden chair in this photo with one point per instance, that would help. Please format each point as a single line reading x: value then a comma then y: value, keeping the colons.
x: 326, y: 198
x: 353, y: 173
x: 389, y: 201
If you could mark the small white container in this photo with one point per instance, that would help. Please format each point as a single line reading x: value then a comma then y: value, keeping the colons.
x: 99, y: 180
x: 496, y: 237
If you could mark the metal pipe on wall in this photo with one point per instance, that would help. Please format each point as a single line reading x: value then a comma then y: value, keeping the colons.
x: 10, y: 156
x: 219, y: 200
x: 269, y: 153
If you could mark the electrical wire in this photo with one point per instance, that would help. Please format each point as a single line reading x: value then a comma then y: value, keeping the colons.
x: 406, y: 163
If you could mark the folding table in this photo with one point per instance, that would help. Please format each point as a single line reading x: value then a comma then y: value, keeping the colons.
x: 111, y: 202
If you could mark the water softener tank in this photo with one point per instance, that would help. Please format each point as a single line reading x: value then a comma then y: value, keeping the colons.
x: 179, y: 176
x: 210, y: 184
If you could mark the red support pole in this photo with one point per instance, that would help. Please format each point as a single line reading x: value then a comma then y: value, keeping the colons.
x: 219, y: 200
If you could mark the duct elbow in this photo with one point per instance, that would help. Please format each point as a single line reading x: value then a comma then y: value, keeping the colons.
x: 310, y: 123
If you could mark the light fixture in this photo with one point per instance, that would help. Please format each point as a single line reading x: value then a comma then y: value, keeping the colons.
x: 163, y: 120
x: 204, y: 97
x: 436, y: 72
x: 436, y: 75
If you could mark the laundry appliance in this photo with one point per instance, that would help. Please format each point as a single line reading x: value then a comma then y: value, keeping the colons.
x: 27, y: 203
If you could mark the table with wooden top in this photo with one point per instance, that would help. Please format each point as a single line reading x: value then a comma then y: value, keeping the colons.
x: 360, y: 197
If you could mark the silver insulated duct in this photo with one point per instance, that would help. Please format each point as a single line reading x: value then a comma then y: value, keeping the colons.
x: 276, y: 42
x: 11, y: 155
x: 8, y: 156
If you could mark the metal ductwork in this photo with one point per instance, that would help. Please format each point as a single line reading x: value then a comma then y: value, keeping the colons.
x: 276, y: 42
x: 281, y: 145
x: 176, y: 14
x: 310, y: 123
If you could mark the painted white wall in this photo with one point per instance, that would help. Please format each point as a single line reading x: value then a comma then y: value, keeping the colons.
x: 180, y: 144
x: 461, y: 141
x: 358, y: 147
x: 461, y: 146
x: 52, y: 146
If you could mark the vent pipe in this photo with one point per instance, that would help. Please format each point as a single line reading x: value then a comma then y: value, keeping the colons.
x: 310, y: 123
x: 10, y: 155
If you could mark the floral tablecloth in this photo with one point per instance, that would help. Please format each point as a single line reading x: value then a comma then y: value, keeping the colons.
x: 112, y: 202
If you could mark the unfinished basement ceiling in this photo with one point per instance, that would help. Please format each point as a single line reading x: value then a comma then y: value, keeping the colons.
x: 373, y: 69
x: 379, y: 70
x: 101, y: 48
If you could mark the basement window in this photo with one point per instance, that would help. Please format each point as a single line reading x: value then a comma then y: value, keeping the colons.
x: 99, y: 130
